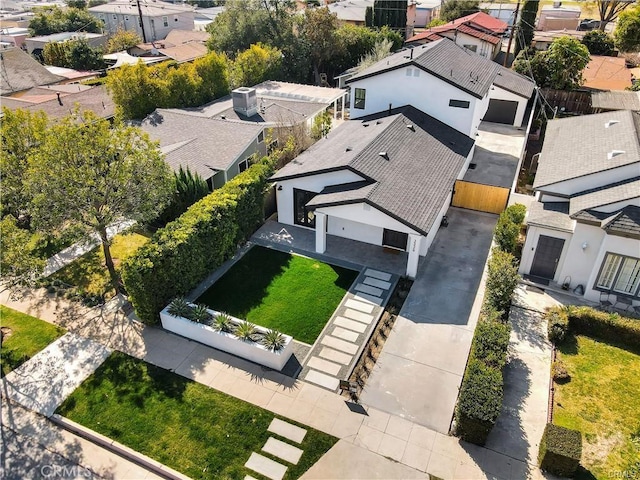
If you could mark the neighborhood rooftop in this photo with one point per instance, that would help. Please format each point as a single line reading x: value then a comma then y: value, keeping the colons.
x: 608, y: 195
x: 597, y: 142
x: 453, y: 64
x: 20, y: 71
x: 616, y: 100
x: 409, y: 159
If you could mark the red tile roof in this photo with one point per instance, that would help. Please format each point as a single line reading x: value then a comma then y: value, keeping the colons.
x: 483, y: 21
x: 479, y: 25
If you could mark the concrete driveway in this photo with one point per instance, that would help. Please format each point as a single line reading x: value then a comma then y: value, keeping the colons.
x: 419, y: 371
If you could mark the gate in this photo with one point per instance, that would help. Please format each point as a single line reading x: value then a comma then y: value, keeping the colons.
x: 484, y: 198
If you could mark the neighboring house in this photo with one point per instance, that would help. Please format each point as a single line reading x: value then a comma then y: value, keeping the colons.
x: 558, y: 17
x: 606, y: 73
x: 35, y: 45
x: 384, y: 179
x: 180, y: 45
x: 584, y: 229
x: 458, y: 87
x: 354, y: 12
x: 505, y: 12
x: 20, y: 71
x: 615, y: 100
x: 542, y: 40
x: 426, y: 12
x: 60, y: 100
x: 205, y: 16
x: 215, y: 149
x: 158, y: 18
x: 13, y: 36
x: 479, y: 33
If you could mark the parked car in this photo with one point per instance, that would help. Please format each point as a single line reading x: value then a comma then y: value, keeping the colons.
x: 588, y: 24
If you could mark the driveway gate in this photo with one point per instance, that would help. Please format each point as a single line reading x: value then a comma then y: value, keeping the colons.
x: 476, y: 196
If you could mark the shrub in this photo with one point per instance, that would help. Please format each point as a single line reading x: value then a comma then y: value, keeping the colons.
x: 502, y: 279
x: 490, y: 343
x: 246, y: 331
x: 223, y: 323
x: 273, y: 340
x: 609, y: 327
x: 516, y: 213
x: 182, y: 254
x: 560, y: 450
x: 559, y: 372
x: 179, y: 307
x: 479, y: 403
x: 506, y: 233
x: 200, y: 314
x: 557, y: 324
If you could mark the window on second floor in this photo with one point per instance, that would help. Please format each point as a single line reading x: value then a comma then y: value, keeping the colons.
x: 359, y: 98
x: 165, y: 21
x: 261, y: 137
x: 620, y: 274
x: 244, y: 164
x: 459, y: 103
x: 473, y: 48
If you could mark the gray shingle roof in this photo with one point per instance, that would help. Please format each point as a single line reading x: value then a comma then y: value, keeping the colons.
x: 616, y: 100
x: 578, y: 146
x: 347, y: 193
x: 605, y: 196
x: 204, y: 145
x: 551, y: 215
x: 20, y: 71
x: 423, y: 158
x: 455, y: 65
x: 625, y: 223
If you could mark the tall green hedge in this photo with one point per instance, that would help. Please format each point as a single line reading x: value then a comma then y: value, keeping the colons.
x: 502, y: 279
x: 560, y: 450
x: 182, y: 254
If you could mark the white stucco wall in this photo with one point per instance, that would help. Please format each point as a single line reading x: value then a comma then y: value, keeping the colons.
x: 580, y: 262
x: 580, y: 184
x: 425, y: 92
x: 501, y: 94
x: 313, y: 183
x: 153, y: 25
x: 483, y: 48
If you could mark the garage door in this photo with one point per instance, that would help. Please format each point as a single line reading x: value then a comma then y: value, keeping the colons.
x: 501, y: 111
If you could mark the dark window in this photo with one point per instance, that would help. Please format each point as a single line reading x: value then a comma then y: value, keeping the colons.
x: 302, y: 215
x: 244, y: 164
x: 473, y: 48
x: 261, y: 137
x: 458, y: 103
x: 359, y: 98
x: 165, y: 21
x: 393, y: 239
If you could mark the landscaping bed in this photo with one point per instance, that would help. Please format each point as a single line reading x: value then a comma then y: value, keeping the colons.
x: 289, y: 293
x: 23, y: 337
x: 187, y: 426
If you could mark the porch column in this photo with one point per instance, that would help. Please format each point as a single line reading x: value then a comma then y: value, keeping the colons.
x: 415, y: 241
x: 335, y: 109
x: 344, y: 97
x: 321, y: 232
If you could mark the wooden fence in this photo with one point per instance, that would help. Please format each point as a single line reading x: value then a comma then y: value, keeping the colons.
x: 484, y: 198
x: 574, y: 101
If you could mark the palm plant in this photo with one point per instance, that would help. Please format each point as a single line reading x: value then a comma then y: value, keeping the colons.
x: 273, y: 340
x: 200, y: 314
x: 223, y: 323
x: 246, y: 331
x: 179, y: 307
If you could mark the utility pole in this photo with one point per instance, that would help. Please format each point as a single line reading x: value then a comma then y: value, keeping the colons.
x: 513, y: 29
x: 144, y: 35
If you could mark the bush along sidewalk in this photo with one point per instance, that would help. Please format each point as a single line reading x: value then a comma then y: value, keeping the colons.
x: 481, y: 393
x: 560, y: 450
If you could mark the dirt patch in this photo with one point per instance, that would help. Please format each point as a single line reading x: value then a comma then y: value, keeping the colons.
x: 5, y: 332
x: 595, y: 452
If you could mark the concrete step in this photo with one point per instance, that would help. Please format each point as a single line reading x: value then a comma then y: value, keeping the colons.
x: 325, y: 366
x: 374, y: 282
x: 350, y: 324
x: 361, y: 306
x: 336, y: 356
x: 265, y: 466
x: 343, y: 334
x: 358, y: 316
x: 322, y: 379
x: 369, y: 272
x: 283, y: 450
x: 361, y: 287
x: 338, y: 344
x: 287, y: 430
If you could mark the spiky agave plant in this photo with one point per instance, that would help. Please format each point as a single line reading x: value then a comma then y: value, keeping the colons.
x: 246, y: 331
x: 200, y: 314
x: 223, y: 323
x: 179, y: 307
x: 273, y: 340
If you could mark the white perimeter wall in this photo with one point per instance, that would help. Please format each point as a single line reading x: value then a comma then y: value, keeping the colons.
x: 501, y: 94
x: 425, y: 92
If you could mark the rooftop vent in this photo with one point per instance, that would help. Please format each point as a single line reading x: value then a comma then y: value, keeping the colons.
x: 411, y: 127
x: 348, y: 149
x: 472, y: 166
x: 611, y: 123
x: 245, y: 101
x: 384, y: 155
x: 614, y: 153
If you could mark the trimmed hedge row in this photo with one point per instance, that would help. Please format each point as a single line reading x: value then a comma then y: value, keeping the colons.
x: 502, y: 279
x: 182, y: 254
x: 588, y: 321
x: 560, y: 450
x: 508, y: 228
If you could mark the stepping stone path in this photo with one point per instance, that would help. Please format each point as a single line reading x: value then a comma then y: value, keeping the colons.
x: 336, y: 351
x: 279, y: 449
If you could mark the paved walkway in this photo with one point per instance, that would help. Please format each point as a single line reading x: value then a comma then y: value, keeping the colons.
x: 69, y: 254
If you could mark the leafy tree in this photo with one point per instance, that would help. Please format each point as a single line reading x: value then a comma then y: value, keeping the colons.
x: 598, y: 42
x: 188, y: 189
x: 318, y: 29
x: 81, y: 4
x: 19, y: 262
x: 76, y: 54
x: 122, y: 40
x: 48, y: 20
x: 135, y: 90
x: 213, y: 70
x: 380, y: 50
x: 321, y: 126
x: 452, y: 9
x: 258, y: 63
x: 627, y: 32
x: 436, y: 22
x: 390, y: 13
x: 609, y: 10
x: 526, y: 24
x: 205, y: 3
x: 94, y: 173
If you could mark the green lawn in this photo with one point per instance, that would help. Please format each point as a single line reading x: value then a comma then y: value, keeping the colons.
x: 89, y: 272
x: 26, y: 336
x: 293, y: 294
x: 602, y: 400
x: 196, y: 430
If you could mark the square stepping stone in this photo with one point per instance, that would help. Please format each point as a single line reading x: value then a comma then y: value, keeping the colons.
x: 249, y: 477
x: 377, y: 283
x: 365, y: 297
x: 361, y: 287
x: 321, y: 379
x: 282, y: 450
x: 338, y: 344
x: 347, y: 335
x: 265, y: 466
x: 336, y: 356
x: 324, y: 365
x: 350, y: 324
x: 369, y: 272
x: 287, y: 430
x: 363, y: 307
x: 358, y: 316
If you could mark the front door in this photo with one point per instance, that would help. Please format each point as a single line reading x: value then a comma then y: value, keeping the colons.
x: 547, y: 256
x: 302, y: 215
x: 393, y: 239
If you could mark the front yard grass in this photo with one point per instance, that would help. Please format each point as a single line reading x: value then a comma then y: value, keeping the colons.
x: 187, y: 426
x: 295, y: 295
x: 89, y: 273
x: 23, y: 338
x: 602, y: 400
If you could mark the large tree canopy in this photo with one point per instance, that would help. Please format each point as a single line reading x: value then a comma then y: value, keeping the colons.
x: 452, y: 9
x: 525, y: 26
x: 609, y: 10
x: 258, y: 63
x: 627, y: 32
x: 48, y: 20
x: 598, y: 42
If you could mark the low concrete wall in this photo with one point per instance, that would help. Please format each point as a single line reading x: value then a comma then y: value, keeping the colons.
x: 525, y: 200
x: 228, y: 342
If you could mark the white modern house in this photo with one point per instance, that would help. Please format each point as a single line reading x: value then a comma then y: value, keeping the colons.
x: 157, y: 19
x: 384, y: 179
x: 584, y: 230
x: 456, y: 86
